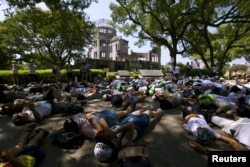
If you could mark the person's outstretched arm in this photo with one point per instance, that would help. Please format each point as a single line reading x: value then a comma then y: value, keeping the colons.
x: 128, y: 129
x: 33, y: 109
x: 232, y: 142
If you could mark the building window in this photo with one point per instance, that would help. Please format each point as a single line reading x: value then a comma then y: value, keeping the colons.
x: 142, y: 58
x: 103, y: 42
x: 103, y: 54
x: 154, y: 58
x: 102, y: 30
x: 110, y: 48
x: 95, y: 55
x: 95, y: 43
x: 110, y: 31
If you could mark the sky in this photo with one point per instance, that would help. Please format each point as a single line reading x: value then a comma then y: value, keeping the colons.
x: 101, y: 10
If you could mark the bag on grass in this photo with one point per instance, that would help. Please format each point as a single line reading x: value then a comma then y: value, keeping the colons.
x: 68, y: 140
x: 134, y: 156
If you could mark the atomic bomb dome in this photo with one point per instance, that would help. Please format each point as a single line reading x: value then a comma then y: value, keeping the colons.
x: 103, y: 23
x: 108, y: 46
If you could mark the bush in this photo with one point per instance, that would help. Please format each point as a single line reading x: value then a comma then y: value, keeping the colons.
x: 43, y: 75
x: 238, y: 67
x: 111, y: 75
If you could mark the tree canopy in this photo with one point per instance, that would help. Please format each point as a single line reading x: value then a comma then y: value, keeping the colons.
x: 190, y: 28
x: 46, y: 36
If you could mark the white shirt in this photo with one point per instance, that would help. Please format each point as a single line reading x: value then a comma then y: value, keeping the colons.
x: 14, y: 69
x: 177, y: 70
x: 76, y: 91
x: 43, y: 107
x: 32, y: 68
x: 214, y: 69
x: 87, y: 128
x: 195, y: 122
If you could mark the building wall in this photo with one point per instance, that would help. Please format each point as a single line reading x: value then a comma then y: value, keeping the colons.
x: 110, y: 47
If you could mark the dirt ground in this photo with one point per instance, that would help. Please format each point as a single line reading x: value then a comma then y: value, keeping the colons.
x: 166, y: 139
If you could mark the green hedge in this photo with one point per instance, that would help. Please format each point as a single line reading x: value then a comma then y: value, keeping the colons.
x: 47, y: 77
x: 43, y: 75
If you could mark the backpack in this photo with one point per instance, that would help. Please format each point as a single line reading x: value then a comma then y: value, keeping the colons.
x: 67, y: 140
x: 206, y: 98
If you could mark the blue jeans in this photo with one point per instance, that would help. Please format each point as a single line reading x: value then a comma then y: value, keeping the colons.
x: 110, y: 117
x: 141, y: 122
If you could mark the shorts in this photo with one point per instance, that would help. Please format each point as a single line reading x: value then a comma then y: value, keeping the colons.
x: 110, y: 117
x: 141, y: 122
x: 33, y: 151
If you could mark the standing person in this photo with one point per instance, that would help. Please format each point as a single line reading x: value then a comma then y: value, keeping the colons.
x: 32, y: 72
x: 88, y: 77
x: 69, y: 73
x: 14, y: 72
x: 214, y: 71
x: 82, y: 72
x: 171, y: 69
x: 188, y: 68
x: 197, y: 66
x: 57, y: 72
x: 176, y: 72
x: 26, y: 152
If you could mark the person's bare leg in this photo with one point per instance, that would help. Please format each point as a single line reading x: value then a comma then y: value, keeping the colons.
x: 21, y: 142
x: 153, y: 114
x: 198, y: 147
x: 138, y: 93
x: 38, y: 138
x: 123, y: 113
x: 138, y: 112
x: 142, y: 97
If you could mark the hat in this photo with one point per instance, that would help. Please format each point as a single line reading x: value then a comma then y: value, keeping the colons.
x: 119, y: 88
x: 105, y: 97
x: 204, y: 136
x: 105, y: 150
x: 162, y: 83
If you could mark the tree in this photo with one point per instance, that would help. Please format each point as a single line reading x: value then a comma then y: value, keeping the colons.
x: 5, y: 59
x: 184, y: 27
x: 47, y: 36
x: 76, y: 6
x: 162, y: 22
x: 217, y: 30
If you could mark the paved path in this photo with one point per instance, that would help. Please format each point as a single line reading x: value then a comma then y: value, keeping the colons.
x: 166, y: 139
